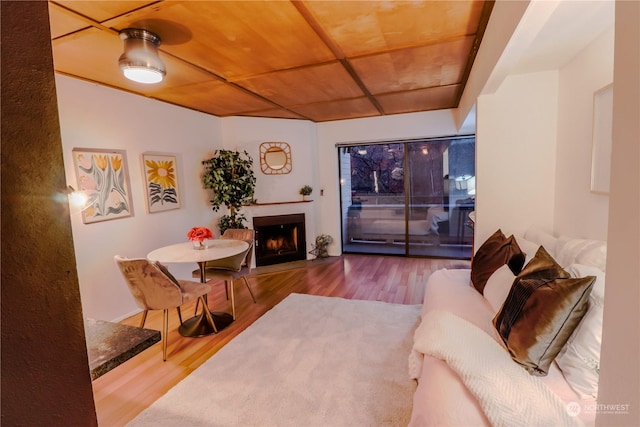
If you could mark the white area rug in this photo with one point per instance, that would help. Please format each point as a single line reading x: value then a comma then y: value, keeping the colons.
x: 310, y: 361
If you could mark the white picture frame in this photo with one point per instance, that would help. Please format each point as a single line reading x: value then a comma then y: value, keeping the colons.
x: 103, y: 175
x: 160, y: 177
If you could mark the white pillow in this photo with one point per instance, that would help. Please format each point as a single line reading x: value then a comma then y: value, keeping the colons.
x: 580, y: 270
x: 528, y: 247
x: 581, y: 251
x: 595, y: 256
x: 579, y: 359
x: 498, y: 287
x: 542, y: 238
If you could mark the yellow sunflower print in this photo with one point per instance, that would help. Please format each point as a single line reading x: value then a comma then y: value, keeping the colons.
x: 161, y: 172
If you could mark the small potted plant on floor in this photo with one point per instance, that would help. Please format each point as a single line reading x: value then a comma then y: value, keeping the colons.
x: 320, y: 247
x: 305, y: 191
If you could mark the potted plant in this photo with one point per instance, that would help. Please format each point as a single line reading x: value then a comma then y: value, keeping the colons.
x: 320, y: 247
x: 230, y: 175
x: 305, y: 191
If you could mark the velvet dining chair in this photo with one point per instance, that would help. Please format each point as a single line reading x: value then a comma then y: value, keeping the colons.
x: 232, y: 268
x: 153, y: 287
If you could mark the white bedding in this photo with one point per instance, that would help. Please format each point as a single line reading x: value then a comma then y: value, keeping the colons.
x: 441, y: 397
x: 507, y: 394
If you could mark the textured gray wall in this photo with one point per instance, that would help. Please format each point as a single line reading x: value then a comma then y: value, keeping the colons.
x: 45, y: 375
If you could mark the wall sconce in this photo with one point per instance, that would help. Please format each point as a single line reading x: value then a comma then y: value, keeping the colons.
x: 140, y: 61
x: 77, y: 198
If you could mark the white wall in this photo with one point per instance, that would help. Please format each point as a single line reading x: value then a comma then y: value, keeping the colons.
x: 534, y: 139
x: 588, y: 72
x: 94, y: 116
x: 620, y: 361
x: 401, y: 126
x: 515, y: 155
x: 247, y: 133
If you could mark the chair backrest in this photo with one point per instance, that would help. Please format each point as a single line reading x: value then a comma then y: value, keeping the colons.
x: 150, y: 287
x: 231, y: 263
x: 246, y: 234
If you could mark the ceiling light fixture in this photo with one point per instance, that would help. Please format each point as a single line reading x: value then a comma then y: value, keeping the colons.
x: 140, y: 61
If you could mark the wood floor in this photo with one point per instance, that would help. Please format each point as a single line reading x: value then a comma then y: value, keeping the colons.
x: 124, y: 392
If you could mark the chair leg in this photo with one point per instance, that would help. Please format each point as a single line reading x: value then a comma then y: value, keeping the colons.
x: 179, y: 314
x: 165, y: 334
x: 144, y: 318
x: 246, y: 282
x: 226, y: 288
x: 233, y: 299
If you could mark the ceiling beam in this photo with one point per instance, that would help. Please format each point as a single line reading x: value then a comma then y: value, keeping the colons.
x: 313, y: 23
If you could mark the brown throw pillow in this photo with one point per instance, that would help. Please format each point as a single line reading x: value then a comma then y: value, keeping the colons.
x: 495, y: 252
x: 541, y: 311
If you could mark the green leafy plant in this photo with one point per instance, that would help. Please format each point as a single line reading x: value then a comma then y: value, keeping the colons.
x: 230, y: 175
x: 228, y: 221
x: 306, y: 190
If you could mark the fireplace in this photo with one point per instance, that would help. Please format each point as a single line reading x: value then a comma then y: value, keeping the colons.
x: 279, y: 238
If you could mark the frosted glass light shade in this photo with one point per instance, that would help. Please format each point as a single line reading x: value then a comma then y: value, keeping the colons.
x: 140, y: 61
x: 142, y: 74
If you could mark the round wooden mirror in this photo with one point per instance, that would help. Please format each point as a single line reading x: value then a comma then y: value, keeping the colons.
x: 275, y: 158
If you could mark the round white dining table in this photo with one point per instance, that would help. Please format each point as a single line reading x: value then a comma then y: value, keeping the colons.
x: 207, y: 322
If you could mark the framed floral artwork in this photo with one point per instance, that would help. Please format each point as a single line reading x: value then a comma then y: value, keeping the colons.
x: 103, y: 176
x: 161, y: 181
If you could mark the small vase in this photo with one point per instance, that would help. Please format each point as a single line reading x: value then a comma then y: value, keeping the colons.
x: 199, y: 245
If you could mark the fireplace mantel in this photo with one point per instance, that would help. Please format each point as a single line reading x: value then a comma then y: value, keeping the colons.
x: 279, y: 203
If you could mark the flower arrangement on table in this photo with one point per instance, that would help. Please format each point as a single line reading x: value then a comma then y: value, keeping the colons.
x: 320, y: 248
x: 198, y: 235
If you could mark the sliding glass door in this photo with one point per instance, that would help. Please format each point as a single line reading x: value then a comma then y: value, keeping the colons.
x: 373, y: 198
x: 408, y: 197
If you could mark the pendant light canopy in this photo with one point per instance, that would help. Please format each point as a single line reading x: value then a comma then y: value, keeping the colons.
x: 140, y: 61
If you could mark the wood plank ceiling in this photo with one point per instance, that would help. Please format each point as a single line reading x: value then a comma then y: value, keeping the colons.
x: 310, y: 59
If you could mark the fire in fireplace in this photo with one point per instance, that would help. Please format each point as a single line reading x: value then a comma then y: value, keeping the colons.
x: 279, y: 238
